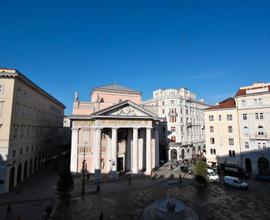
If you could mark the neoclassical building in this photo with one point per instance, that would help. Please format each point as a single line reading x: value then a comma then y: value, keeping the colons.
x: 113, y: 133
x: 238, y: 128
x: 31, y: 128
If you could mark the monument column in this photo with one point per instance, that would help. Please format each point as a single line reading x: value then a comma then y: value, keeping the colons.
x: 135, y: 151
x: 74, y: 151
x: 148, y: 152
x: 97, y: 156
x: 113, y: 174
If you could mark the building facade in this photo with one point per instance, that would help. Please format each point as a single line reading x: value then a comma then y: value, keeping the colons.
x: 31, y: 123
x: 113, y: 133
x: 183, y: 121
x: 250, y: 109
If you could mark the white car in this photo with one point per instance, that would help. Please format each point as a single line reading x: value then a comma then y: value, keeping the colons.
x: 236, y: 182
x: 212, y: 176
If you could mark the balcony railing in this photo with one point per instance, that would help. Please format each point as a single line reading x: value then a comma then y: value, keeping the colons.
x: 261, y: 136
x: 173, y: 114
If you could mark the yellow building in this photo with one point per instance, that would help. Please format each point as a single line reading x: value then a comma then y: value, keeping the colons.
x: 31, y: 127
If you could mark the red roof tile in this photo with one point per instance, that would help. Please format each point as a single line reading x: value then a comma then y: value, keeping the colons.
x: 227, y: 103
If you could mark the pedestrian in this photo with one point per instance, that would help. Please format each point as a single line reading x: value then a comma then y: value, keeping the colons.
x: 101, y: 216
x: 129, y: 181
x: 8, y: 210
x: 98, y: 189
x: 180, y: 178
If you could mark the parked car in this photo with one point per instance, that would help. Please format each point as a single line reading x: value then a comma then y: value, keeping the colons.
x: 212, y: 176
x: 235, y: 182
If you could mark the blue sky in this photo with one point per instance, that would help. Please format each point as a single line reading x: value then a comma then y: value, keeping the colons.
x: 209, y: 47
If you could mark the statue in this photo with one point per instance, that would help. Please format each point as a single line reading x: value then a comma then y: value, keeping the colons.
x: 76, y: 96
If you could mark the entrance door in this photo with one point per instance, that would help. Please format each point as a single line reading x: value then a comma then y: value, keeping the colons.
x: 120, y: 164
x: 248, y: 165
x: 11, y: 178
x: 263, y: 166
x: 173, y: 155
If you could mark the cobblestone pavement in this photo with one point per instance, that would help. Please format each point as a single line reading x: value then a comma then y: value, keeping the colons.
x: 118, y: 200
x: 29, y: 199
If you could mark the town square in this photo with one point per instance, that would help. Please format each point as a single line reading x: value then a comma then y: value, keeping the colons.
x: 148, y: 110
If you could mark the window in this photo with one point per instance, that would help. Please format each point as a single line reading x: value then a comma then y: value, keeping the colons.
x: 163, y: 103
x: 27, y: 149
x: 32, y: 148
x: 211, y: 128
x: 1, y: 88
x: 219, y: 118
x: 246, y: 145
x: 212, y: 140
x: 260, y: 130
x: 230, y: 129
x: 259, y: 101
x: 257, y: 116
x: 182, y: 129
x: 1, y: 108
x: 212, y: 151
x: 259, y: 145
x: 211, y: 117
x: 14, y: 153
x: 229, y: 117
x: 244, y: 116
x: 231, y: 141
x: 19, y: 92
x: 261, y: 115
x: 255, y: 102
x: 17, y: 114
x: 21, y: 151
x: 172, y: 129
x: 243, y: 102
x: 171, y: 102
x: 15, y: 135
x: 264, y: 146
x: 163, y: 111
x: 231, y: 153
x: 173, y: 119
x: 173, y: 139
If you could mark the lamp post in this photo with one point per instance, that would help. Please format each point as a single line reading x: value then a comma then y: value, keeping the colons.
x: 83, y: 172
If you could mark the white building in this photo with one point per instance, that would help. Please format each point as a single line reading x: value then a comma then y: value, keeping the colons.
x: 183, y: 121
x: 250, y: 110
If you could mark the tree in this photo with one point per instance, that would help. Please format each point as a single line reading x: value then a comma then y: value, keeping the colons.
x: 201, y: 172
x: 65, y: 185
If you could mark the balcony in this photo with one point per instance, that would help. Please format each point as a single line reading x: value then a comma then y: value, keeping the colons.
x: 256, y: 136
x: 173, y: 114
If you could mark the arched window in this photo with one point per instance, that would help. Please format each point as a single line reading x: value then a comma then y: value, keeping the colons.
x: 101, y: 100
x: 260, y: 130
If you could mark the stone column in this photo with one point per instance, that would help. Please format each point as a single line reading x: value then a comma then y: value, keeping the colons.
x: 156, y: 147
x: 97, y: 153
x: 129, y: 150
x: 148, y: 152
x: 140, y: 150
x: 74, y: 151
x: 135, y: 151
x: 113, y: 174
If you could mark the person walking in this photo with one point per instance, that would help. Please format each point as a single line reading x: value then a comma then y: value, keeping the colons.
x: 8, y: 210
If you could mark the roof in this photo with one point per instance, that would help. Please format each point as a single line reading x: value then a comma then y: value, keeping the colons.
x: 243, y: 91
x: 9, y: 72
x: 115, y: 87
x: 227, y: 103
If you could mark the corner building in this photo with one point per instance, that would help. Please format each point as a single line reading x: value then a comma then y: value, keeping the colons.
x: 183, y: 122
x: 113, y: 133
x: 31, y: 123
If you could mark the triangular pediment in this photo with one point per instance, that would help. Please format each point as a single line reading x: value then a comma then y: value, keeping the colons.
x: 125, y: 109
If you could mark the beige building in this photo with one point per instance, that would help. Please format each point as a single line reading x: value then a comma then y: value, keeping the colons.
x: 222, y: 132
x: 31, y: 123
x: 113, y: 133
x: 244, y: 139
